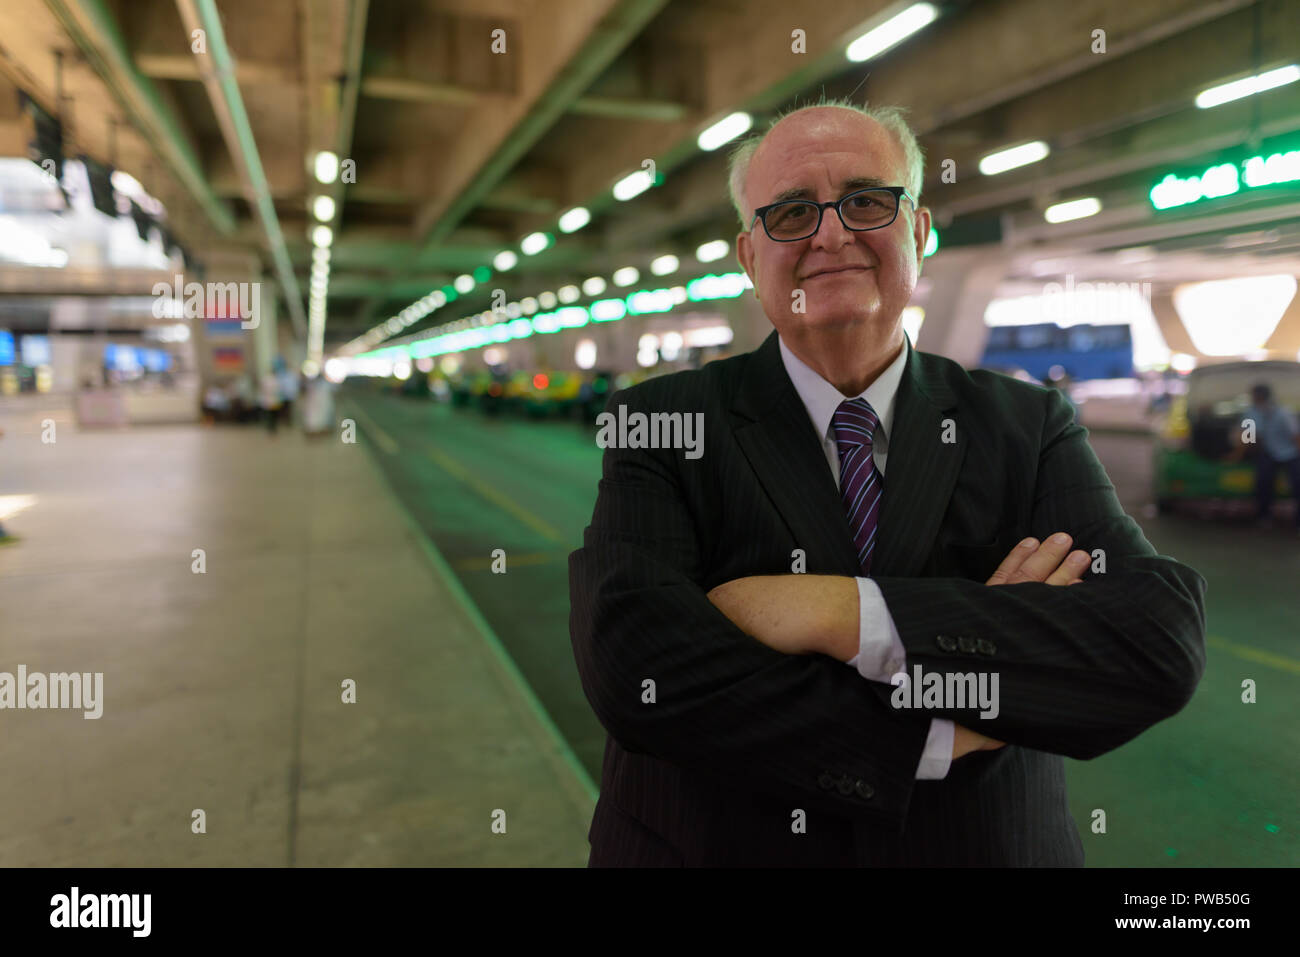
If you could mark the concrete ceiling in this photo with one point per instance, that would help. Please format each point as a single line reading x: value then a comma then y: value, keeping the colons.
x: 460, y: 151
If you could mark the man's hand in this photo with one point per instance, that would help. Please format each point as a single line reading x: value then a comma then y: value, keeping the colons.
x: 1029, y: 561
x: 1047, y: 562
x: 964, y: 741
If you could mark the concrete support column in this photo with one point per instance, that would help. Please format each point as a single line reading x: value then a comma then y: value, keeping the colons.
x: 1286, y: 337
x: 265, y: 339
x: 1170, y: 325
x: 962, y: 284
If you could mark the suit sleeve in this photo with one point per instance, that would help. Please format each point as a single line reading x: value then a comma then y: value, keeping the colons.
x: 1082, y: 669
x: 725, y: 705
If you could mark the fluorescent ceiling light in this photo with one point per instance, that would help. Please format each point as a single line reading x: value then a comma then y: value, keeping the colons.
x: 1016, y: 156
x: 574, y: 219
x: 663, y: 265
x: 327, y: 166
x: 1074, y: 209
x: 1227, y: 92
x: 724, y: 131
x: 534, y: 243
x: 632, y: 185
x: 891, y: 32
x: 709, y: 252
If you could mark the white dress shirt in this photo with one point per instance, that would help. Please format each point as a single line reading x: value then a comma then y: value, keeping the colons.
x: 880, y: 650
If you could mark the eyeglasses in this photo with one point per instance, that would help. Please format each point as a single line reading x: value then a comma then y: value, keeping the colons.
x: 795, y: 219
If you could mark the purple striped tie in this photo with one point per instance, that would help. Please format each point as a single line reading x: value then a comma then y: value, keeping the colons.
x: 861, y: 483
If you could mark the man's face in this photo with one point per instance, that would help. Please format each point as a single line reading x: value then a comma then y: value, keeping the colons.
x: 847, y: 277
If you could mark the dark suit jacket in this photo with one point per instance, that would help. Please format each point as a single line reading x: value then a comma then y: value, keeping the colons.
x: 740, y: 737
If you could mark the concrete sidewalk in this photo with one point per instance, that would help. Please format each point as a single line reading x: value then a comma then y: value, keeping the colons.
x: 222, y: 690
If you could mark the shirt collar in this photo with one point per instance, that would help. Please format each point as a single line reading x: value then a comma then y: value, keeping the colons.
x: 821, y: 399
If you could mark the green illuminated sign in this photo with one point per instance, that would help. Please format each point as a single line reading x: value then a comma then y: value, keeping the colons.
x: 1225, y: 179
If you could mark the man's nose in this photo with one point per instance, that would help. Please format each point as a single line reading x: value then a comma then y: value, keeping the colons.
x: 831, y: 233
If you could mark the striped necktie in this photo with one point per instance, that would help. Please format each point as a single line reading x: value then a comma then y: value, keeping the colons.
x: 861, y: 483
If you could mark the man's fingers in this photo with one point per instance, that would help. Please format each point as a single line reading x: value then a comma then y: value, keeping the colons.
x: 1011, y: 564
x: 1045, y: 560
x: 1070, y: 570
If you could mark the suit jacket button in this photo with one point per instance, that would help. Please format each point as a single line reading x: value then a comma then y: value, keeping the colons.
x: 865, y: 790
x: 825, y: 781
x: 946, y: 643
x: 967, y: 645
x: 985, y: 647
x: 845, y: 786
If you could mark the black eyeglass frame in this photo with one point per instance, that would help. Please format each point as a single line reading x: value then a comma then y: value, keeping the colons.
x: 900, y: 193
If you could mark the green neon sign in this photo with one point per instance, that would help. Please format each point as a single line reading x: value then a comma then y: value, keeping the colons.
x: 1225, y: 179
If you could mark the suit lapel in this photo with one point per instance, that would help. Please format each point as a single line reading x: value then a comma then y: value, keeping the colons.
x: 921, y: 471
x: 772, y: 427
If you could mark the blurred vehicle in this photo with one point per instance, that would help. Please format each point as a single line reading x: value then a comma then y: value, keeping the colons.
x: 1195, y: 453
x: 553, y: 394
x: 488, y: 390
x: 1015, y: 372
x: 1080, y: 351
x: 594, y: 393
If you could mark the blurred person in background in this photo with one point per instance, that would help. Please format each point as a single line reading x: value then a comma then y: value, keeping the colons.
x: 288, y: 383
x: 269, y: 398
x: 5, y: 537
x: 318, y: 407
x: 1277, y: 443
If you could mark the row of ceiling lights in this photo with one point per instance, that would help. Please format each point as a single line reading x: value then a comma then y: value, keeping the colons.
x: 1022, y: 155
x: 592, y: 286
x: 869, y: 45
x: 325, y: 165
x: 717, y: 135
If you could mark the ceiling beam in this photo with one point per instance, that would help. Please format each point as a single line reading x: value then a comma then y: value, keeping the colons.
x: 567, y: 51
x: 93, y: 28
x: 628, y: 108
x: 182, y: 66
x: 217, y: 70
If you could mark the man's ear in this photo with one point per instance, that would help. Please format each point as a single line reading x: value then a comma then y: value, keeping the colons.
x: 745, y: 256
x: 921, y: 233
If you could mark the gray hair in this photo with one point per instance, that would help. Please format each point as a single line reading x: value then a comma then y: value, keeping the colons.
x: 892, y: 118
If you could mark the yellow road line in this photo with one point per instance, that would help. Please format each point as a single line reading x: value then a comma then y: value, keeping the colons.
x: 382, y: 438
x: 498, y: 499
x: 458, y: 471
x: 1281, y: 662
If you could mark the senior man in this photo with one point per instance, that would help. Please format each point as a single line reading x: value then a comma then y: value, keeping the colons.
x: 777, y: 633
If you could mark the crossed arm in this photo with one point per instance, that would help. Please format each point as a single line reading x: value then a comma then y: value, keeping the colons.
x: 818, y: 614
x: 1082, y: 670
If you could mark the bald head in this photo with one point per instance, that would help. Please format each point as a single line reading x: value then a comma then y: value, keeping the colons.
x: 816, y: 119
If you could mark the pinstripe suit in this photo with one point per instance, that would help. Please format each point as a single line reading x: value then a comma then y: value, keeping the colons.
x: 740, y: 737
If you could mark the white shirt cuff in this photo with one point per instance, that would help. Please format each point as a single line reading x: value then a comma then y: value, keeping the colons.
x: 937, y: 756
x: 880, y: 649
x: 880, y: 656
